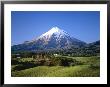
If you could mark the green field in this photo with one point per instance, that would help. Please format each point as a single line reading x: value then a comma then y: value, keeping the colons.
x: 86, y: 67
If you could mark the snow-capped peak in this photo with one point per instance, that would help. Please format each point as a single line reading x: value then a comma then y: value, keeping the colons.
x: 55, y: 30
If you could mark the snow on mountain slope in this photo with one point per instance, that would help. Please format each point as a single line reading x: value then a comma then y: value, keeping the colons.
x: 55, y: 38
x: 57, y: 32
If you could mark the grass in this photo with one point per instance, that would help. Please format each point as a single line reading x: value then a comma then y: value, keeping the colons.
x: 58, y: 71
x: 90, y: 67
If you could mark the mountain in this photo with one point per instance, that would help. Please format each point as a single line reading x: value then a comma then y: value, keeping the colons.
x: 96, y: 43
x: 94, y: 48
x: 91, y: 49
x: 55, y: 38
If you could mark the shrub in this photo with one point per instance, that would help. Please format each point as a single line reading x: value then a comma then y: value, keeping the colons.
x: 14, y: 61
x: 93, y: 66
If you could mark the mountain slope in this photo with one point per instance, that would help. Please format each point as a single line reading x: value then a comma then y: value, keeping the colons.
x: 91, y: 49
x: 55, y: 38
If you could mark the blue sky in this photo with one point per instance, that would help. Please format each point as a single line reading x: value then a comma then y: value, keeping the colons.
x: 28, y: 25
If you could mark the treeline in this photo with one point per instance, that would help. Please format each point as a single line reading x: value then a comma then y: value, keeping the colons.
x: 75, y: 52
x: 84, y: 51
x: 43, y: 59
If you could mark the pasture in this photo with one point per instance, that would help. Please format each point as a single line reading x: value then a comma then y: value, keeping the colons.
x: 81, y: 67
